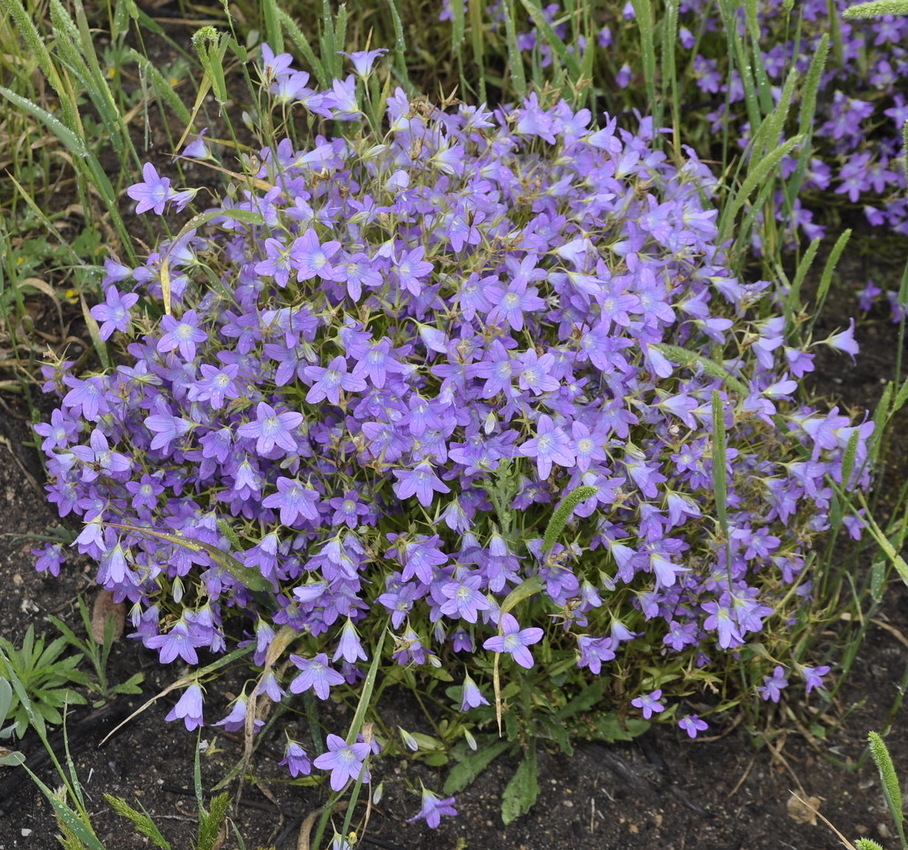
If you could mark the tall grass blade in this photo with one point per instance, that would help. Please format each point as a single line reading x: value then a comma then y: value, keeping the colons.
x: 298, y: 37
x: 826, y: 276
x: 515, y: 59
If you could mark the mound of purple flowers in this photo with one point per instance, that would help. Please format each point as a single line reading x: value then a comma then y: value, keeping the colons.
x: 389, y: 361
x: 861, y: 107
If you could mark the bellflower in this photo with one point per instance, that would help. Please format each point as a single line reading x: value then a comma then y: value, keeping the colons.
x: 345, y: 761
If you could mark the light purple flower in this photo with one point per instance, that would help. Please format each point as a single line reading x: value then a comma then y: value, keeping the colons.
x: 550, y: 446
x: 296, y: 760
x: 514, y: 640
x: 420, y: 481
x: 294, y: 501
x: 153, y: 193
x: 183, y: 334
x: 271, y: 428
x: 693, y: 725
x: 433, y: 807
x: 114, y: 312
x: 316, y: 675
x: 772, y: 686
x: 345, y: 761
x: 649, y: 703
x: 189, y: 708
x: 844, y: 340
x: 363, y: 60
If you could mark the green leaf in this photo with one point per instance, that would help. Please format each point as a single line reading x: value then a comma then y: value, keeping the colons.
x: 141, y: 820
x: 465, y: 772
x: 890, y: 781
x: 524, y: 590
x: 210, y: 822
x: 584, y: 701
x: 253, y: 579
x: 876, y: 9
x: 607, y: 727
x: 523, y: 789
x: 563, y: 513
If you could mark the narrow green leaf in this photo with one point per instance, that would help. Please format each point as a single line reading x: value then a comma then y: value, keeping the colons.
x: 253, y: 579
x: 464, y: 773
x: 515, y: 59
x: 523, y: 789
x: 298, y: 37
x: 828, y: 269
x: 563, y: 513
x: 876, y: 9
x: 757, y: 175
x: 559, y: 48
x: 524, y: 590
x: 690, y: 359
x: 142, y: 821
x: 890, y: 781
x: 273, y: 34
x: 720, y: 484
x: 161, y: 87
x: 74, y: 144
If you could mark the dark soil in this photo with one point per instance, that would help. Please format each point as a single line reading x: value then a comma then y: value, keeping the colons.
x: 736, y: 790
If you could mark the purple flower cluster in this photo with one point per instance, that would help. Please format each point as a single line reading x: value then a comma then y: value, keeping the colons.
x: 861, y: 108
x: 375, y: 397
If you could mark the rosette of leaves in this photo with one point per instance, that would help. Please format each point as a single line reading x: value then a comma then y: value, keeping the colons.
x: 46, y: 677
x: 356, y: 391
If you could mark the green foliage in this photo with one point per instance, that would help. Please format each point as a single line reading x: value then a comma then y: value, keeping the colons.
x: 39, y: 671
x: 876, y: 9
x: 98, y: 655
x: 562, y: 514
x: 891, y: 789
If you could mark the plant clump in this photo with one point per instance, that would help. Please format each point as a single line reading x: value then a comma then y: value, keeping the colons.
x: 391, y: 359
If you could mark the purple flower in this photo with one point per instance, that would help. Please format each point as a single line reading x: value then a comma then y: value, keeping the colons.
x: 114, y: 313
x: 183, y: 334
x: 550, y: 445
x: 316, y: 675
x: 294, y: 501
x: 345, y: 761
x: 59, y: 433
x: 514, y: 640
x: 296, y: 760
x: 349, y: 647
x: 472, y: 696
x: 772, y: 686
x: 420, y: 481
x: 649, y: 703
x: 97, y: 458
x: 271, y: 428
x: 166, y: 428
x: 433, y: 807
x: 235, y: 721
x: 49, y: 558
x: 844, y: 340
x: 179, y: 641
x: 464, y: 599
x: 363, y: 60
x: 153, y: 193
x: 311, y: 259
x: 692, y: 724
x: 189, y: 708
x: 327, y: 383
x: 813, y: 676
